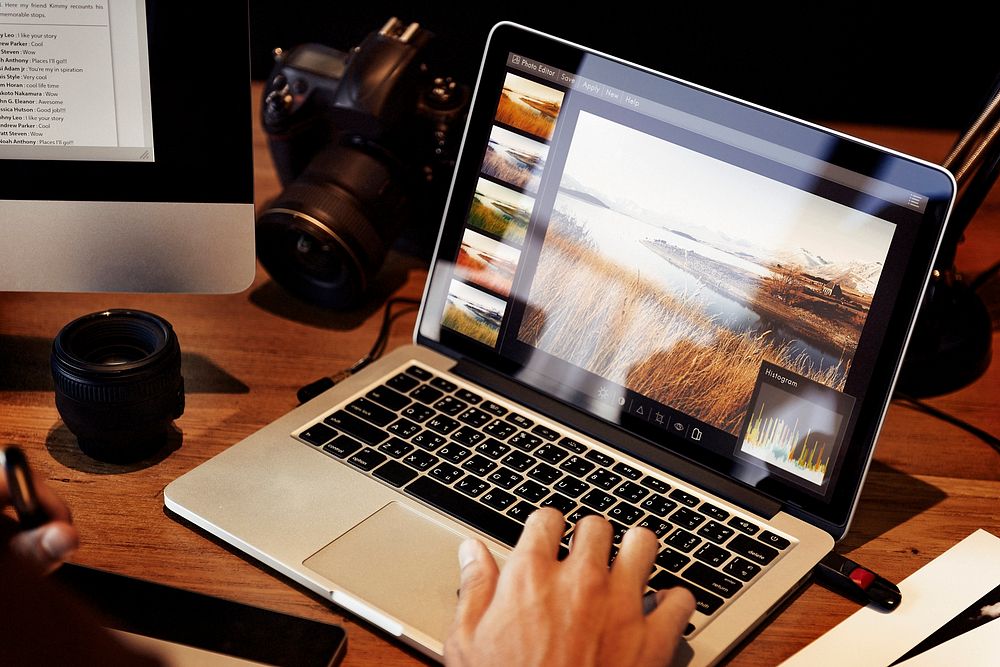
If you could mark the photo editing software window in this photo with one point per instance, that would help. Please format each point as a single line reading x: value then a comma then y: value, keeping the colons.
x: 74, y: 81
x: 611, y: 244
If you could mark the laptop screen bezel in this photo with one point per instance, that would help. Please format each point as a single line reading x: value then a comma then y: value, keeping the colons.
x: 834, y: 512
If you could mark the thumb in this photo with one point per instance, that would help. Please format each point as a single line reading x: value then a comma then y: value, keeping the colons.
x: 478, y: 582
x: 47, y: 546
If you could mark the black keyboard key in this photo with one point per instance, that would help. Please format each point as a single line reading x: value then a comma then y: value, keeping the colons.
x: 716, y: 513
x: 468, y: 396
x: 658, y: 526
x: 500, y: 429
x: 544, y: 473
x: 625, y: 513
x: 426, y: 394
x: 560, y: 502
x: 545, y: 432
x: 395, y: 473
x: 715, y: 531
x: 573, y: 446
x: 525, y: 441
x: 471, y: 486
x: 371, y: 411
x: 479, y: 465
x: 318, y: 434
x: 450, y: 405
x: 403, y: 383
x: 705, y: 602
x: 752, y: 550
x: 598, y: 500
x: 505, y: 478
x: 519, y: 420
x: 626, y: 470
x: 395, y: 447
x: 441, y: 424
x: 419, y: 373
x: 711, y: 554
x: 579, y: 513
x: 551, y: 453
x: 443, y: 385
x: 530, y: 490
x: 518, y: 461
x: 571, y: 486
x: 465, y: 509
x: 617, y: 531
x: 684, y: 497
x: 575, y: 465
x: 671, y: 559
x: 492, y: 448
x: 389, y: 398
x: 658, y: 505
x: 454, y: 453
x: 418, y: 412
x: 600, y: 458
x: 360, y: 429
x: 427, y: 440
x: 366, y: 459
x: 741, y: 568
x: 655, y: 484
x: 468, y: 436
x: 419, y: 460
x: 686, y: 518
x: 631, y: 492
x: 744, y: 526
x: 521, y: 511
x: 404, y: 428
x: 604, y: 478
x: 446, y: 472
x: 475, y: 417
x: 495, y: 408
x: 713, y: 580
x: 682, y: 540
x: 342, y: 446
x: 497, y: 499
x: 776, y: 541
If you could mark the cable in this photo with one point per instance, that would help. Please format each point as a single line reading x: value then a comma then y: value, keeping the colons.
x: 314, y: 389
x: 990, y: 439
x: 984, y: 277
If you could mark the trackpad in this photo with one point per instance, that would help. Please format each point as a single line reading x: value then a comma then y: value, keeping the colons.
x: 400, y: 561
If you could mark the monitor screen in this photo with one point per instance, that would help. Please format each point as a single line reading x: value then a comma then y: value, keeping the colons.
x: 125, y: 147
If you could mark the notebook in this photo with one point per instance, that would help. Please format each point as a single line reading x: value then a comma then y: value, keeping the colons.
x: 649, y: 301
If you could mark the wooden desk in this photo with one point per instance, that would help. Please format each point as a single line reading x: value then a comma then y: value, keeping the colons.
x: 246, y: 354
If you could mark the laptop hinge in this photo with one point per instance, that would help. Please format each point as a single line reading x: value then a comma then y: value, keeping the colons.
x: 749, y: 499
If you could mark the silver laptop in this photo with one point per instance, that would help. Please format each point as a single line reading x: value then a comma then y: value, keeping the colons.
x: 649, y: 301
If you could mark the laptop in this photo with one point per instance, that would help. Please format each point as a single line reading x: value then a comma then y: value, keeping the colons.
x: 648, y: 301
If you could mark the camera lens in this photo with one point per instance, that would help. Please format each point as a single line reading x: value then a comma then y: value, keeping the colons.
x: 326, y: 235
x: 118, y: 382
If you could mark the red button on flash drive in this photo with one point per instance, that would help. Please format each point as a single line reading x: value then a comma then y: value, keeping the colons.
x: 862, y: 577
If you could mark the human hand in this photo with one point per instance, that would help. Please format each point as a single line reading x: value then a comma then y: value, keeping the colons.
x: 540, y: 611
x: 43, y: 547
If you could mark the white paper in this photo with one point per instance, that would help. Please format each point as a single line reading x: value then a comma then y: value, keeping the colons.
x: 932, y: 596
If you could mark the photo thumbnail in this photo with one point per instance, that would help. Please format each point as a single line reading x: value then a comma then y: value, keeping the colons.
x: 500, y: 212
x: 529, y: 106
x: 486, y: 262
x: 515, y: 160
x: 473, y: 313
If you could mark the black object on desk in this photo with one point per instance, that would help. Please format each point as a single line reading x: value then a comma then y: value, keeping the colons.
x: 857, y: 583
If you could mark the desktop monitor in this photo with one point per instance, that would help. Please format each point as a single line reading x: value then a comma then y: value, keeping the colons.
x: 125, y: 147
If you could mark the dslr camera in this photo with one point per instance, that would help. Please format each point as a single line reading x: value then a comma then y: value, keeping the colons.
x: 364, y: 143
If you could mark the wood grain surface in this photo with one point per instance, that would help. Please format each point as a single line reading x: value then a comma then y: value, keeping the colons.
x: 245, y: 355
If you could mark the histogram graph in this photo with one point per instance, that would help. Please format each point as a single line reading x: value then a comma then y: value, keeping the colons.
x: 790, y: 444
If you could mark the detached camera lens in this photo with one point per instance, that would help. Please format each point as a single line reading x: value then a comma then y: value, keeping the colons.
x: 118, y: 382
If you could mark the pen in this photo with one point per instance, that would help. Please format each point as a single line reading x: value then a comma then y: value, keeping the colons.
x: 29, y: 510
x: 857, y: 583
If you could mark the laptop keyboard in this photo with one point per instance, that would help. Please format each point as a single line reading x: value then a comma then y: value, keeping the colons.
x: 489, y: 465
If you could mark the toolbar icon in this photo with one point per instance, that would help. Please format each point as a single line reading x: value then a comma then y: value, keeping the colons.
x: 695, y: 433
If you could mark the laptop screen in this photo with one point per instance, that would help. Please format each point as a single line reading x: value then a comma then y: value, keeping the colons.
x: 722, y: 281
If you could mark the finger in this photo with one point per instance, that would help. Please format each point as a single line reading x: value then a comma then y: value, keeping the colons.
x: 591, y: 540
x: 542, y: 532
x: 53, y: 505
x: 665, y: 625
x: 46, y: 546
x: 478, y: 582
x: 634, y: 562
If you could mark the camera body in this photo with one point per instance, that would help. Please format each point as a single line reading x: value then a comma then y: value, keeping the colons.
x: 364, y: 143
